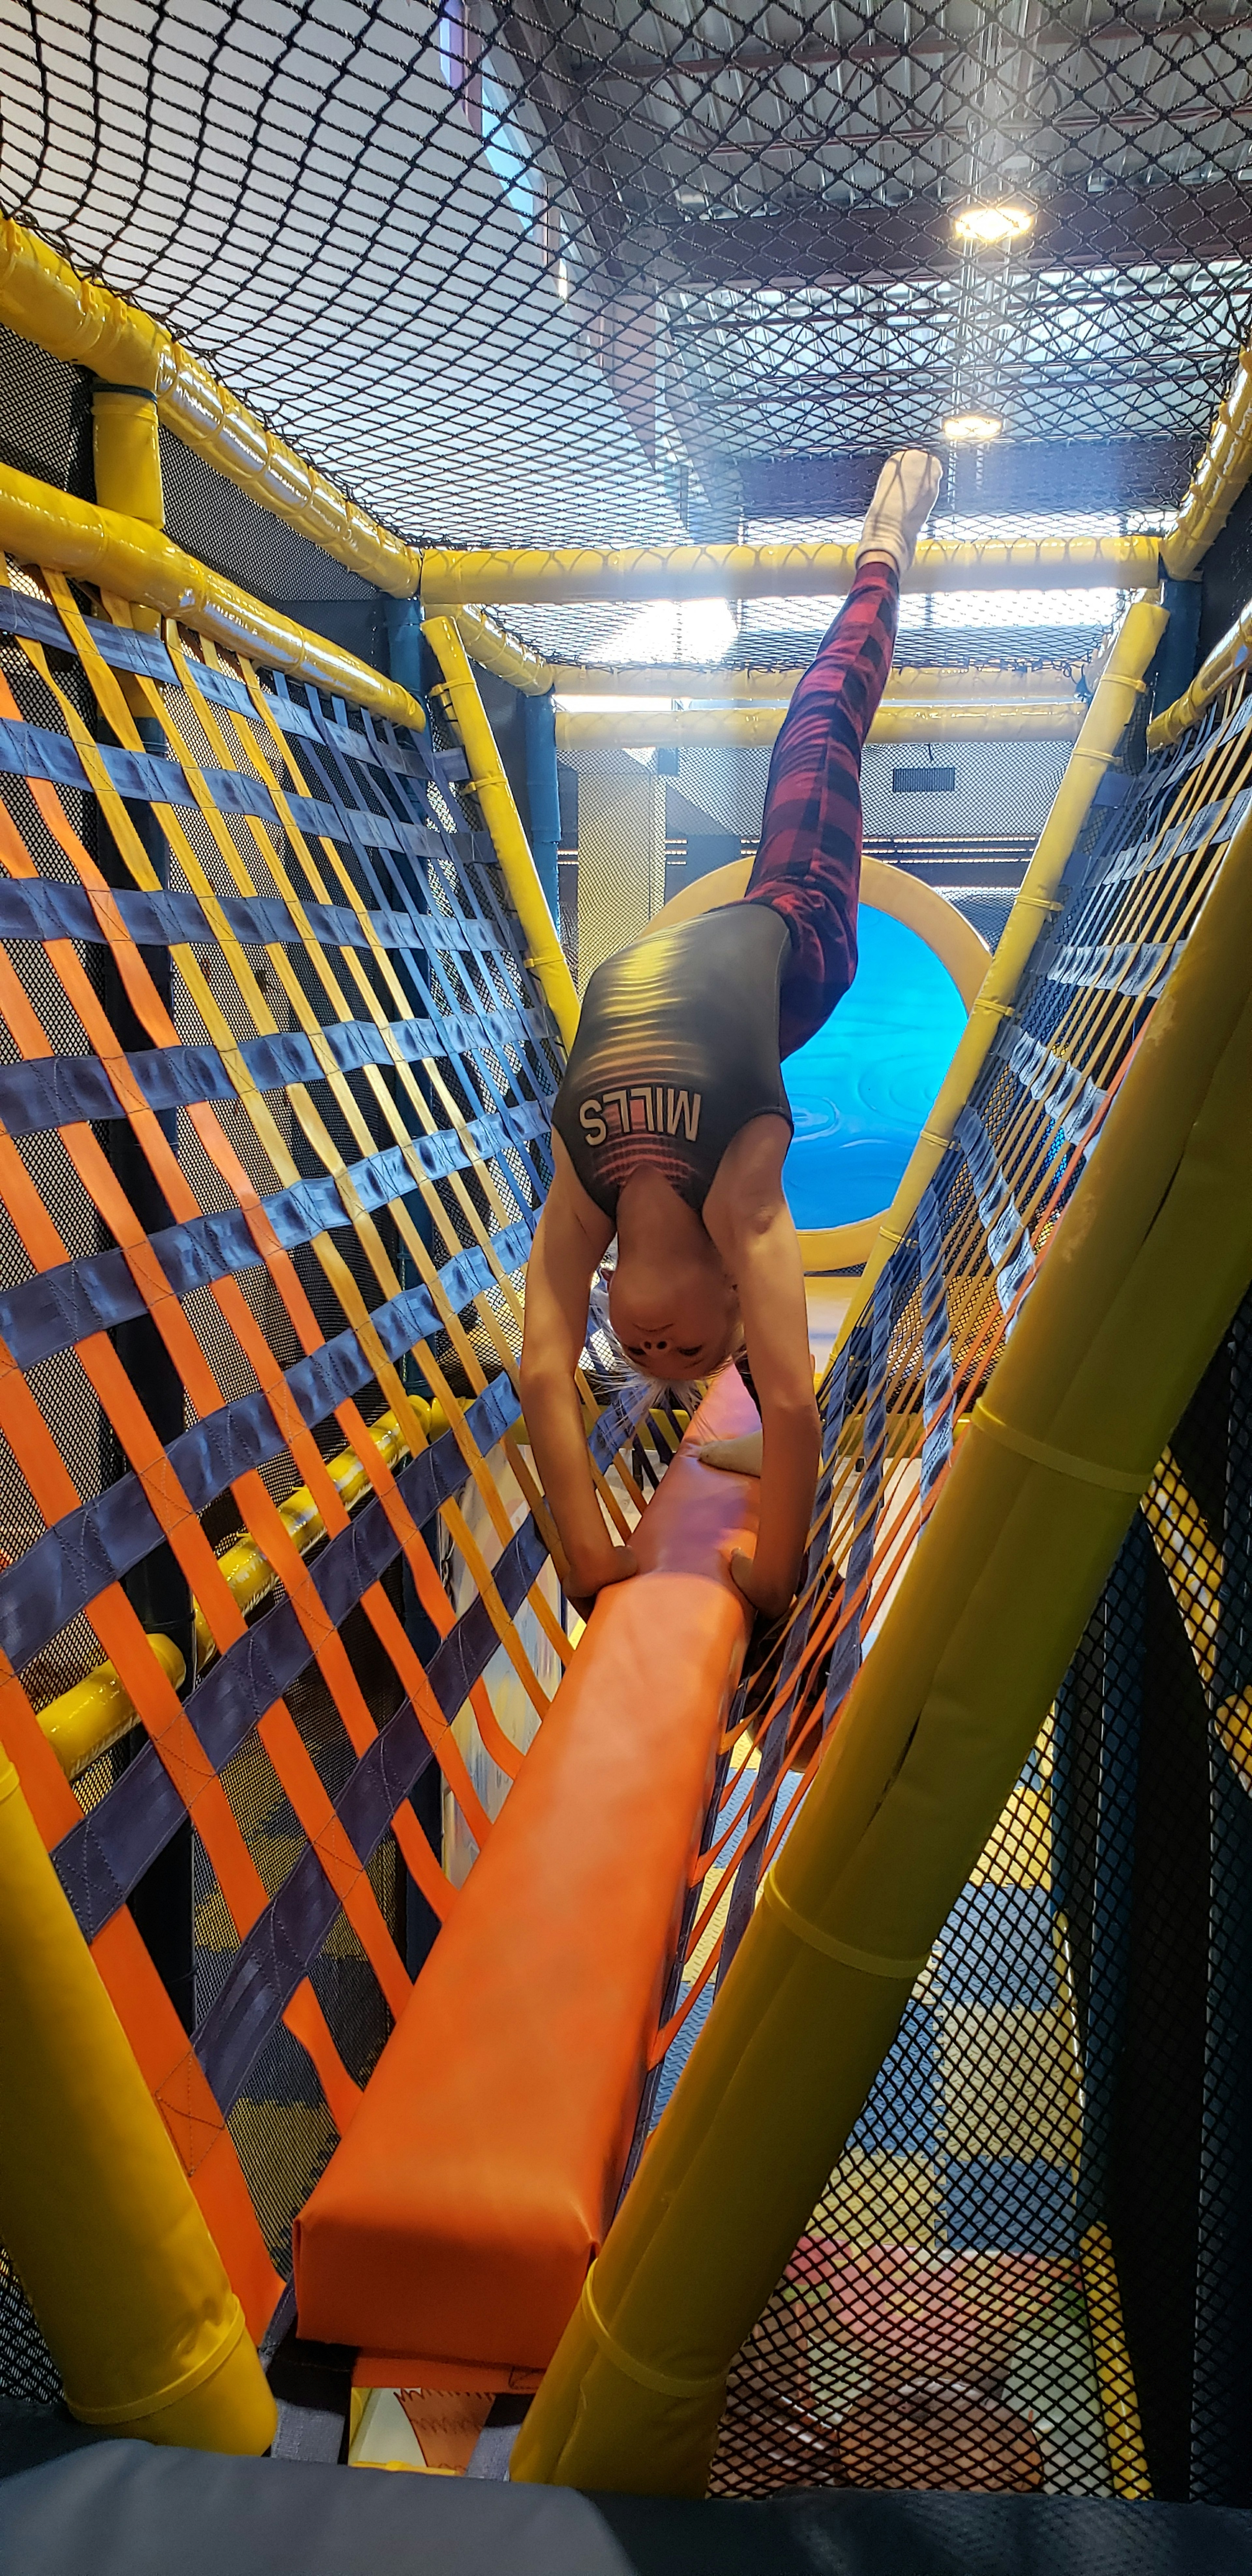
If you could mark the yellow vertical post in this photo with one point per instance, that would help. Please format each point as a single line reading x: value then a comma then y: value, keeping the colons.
x: 126, y: 451
x: 469, y: 716
x: 96, y: 2212
x: 1148, y: 1265
x: 1119, y: 2404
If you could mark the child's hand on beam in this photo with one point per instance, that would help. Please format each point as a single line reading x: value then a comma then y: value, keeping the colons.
x: 771, y: 1595
x: 586, y: 1579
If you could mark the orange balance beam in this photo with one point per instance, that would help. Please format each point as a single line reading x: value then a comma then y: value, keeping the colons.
x: 459, y: 2214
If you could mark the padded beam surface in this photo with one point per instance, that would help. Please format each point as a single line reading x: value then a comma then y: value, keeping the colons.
x: 124, y: 2509
x: 457, y: 2218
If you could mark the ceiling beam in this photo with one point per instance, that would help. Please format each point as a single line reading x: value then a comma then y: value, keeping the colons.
x: 1160, y: 226
x: 647, y: 70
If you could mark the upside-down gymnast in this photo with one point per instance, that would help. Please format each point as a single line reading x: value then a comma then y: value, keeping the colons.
x: 672, y: 1123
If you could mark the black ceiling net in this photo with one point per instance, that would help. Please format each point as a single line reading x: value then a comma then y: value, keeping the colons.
x: 544, y: 271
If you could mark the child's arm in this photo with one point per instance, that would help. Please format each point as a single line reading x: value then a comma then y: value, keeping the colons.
x: 750, y: 1222
x: 571, y: 1239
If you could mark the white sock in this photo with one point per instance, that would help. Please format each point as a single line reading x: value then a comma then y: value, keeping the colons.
x: 906, y: 493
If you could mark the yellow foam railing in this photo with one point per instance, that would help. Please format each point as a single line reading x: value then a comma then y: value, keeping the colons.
x: 504, y: 575
x: 41, y: 525
x: 755, y: 728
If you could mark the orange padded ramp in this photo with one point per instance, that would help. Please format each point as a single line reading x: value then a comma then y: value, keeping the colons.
x: 459, y: 2214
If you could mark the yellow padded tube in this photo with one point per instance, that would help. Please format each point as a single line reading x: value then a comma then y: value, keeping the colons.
x: 126, y: 447
x: 510, y: 660
x: 755, y: 728
x: 43, y: 526
x: 95, y: 2210
x: 1217, y: 480
x: 500, y: 575
x: 1228, y: 659
x: 729, y: 684
x: 1148, y: 1266
x: 504, y: 823
x: 126, y: 452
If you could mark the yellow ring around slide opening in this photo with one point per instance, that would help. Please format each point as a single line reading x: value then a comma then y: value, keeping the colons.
x: 953, y: 940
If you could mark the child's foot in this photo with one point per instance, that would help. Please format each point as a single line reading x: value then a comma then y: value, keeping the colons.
x: 740, y: 1457
x: 906, y: 493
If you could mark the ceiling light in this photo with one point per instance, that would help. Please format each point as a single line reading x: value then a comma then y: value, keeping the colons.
x: 990, y: 226
x: 973, y: 427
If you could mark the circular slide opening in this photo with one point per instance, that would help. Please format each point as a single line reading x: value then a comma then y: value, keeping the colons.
x: 861, y: 1088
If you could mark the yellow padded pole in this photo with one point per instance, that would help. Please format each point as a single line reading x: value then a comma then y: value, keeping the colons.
x: 1148, y: 1266
x: 126, y: 453
x: 1217, y: 481
x: 554, y: 574
x: 755, y: 728
x: 726, y: 684
x: 510, y: 659
x: 1106, y: 721
x: 95, y: 2209
x: 41, y: 525
x: 487, y: 779
x: 126, y: 449
x: 1227, y: 660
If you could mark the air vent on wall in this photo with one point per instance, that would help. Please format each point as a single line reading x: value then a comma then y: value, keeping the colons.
x: 924, y: 782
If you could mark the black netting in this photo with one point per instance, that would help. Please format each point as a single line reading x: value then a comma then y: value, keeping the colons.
x: 1032, y: 2265
x: 26, y: 2366
x: 43, y: 413
x: 534, y: 271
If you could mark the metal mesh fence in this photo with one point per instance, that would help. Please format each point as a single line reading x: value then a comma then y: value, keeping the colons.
x: 1027, y: 2268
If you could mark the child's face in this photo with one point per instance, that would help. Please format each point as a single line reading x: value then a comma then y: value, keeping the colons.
x: 679, y: 1321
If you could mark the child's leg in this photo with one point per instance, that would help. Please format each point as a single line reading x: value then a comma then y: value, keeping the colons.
x: 808, y: 864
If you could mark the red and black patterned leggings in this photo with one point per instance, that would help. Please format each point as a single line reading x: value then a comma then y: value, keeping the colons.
x: 808, y: 865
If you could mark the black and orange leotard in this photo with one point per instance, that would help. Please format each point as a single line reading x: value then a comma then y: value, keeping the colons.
x: 681, y: 1037
x: 676, y: 1049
